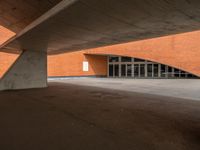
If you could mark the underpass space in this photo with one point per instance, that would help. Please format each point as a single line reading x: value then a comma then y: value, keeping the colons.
x: 72, y: 115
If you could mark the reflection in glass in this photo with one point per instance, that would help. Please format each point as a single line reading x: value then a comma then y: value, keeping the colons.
x: 110, y: 70
x: 149, y: 70
x: 116, y: 70
x: 123, y: 70
x: 183, y: 74
x: 113, y: 59
x: 176, y: 72
x: 163, y: 70
x: 155, y: 68
x: 129, y: 70
x: 142, y: 70
x: 138, y: 60
x: 169, y: 71
x: 125, y: 67
x: 136, y: 70
x: 126, y: 59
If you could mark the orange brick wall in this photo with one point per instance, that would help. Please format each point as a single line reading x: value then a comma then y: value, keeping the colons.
x: 5, y: 34
x: 181, y: 51
x: 71, y: 64
x: 67, y: 64
x: 6, y: 60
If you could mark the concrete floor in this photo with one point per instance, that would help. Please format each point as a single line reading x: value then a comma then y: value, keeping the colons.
x: 179, y: 88
x: 79, y: 117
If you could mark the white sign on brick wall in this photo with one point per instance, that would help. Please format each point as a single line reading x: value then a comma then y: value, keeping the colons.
x: 85, y: 66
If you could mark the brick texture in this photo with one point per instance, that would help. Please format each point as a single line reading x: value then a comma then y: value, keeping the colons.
x: 5, y: 34
x: 71, y: 64
x: 181, y: 51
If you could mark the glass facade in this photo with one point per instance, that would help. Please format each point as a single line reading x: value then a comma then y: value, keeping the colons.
x: 139, y: 68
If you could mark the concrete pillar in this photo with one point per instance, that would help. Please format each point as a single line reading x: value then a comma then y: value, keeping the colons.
x: 29, y: 71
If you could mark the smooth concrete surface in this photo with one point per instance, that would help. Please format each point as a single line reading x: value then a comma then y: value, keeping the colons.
x: 180, y: 88
x: 81, y: 24
x: 67, y: 116
x: 28, y: 71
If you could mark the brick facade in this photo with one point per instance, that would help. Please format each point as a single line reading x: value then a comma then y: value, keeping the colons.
x: 71, y: 64
x: 181, y: 51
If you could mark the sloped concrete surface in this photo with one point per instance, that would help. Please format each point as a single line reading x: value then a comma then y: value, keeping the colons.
x: 76, y: 117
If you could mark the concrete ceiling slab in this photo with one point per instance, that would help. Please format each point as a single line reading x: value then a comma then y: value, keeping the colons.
x: 81, y: 24
x: 17, y: 14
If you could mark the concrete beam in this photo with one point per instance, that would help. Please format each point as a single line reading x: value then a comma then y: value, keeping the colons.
x: 29, y: 71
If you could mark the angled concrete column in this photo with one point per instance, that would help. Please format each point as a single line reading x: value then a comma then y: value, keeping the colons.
x: 29, y: 71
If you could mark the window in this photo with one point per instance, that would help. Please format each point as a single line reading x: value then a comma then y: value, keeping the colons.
x: 126, y: 59
x: 123, y: 70
x: 113, y: 59
x: 183, y: 74
x: 116, y: 70
x: 163, y: 70
x: 149, y: 70
x: 110, y: 70
x: 139, y: 68
x: 129, y: 70
x: 169, y: 71
x: 136, y: 70
x: 176, y: 73
x: 155, y: 70
x: 138, y: 60
x: 142, y: 70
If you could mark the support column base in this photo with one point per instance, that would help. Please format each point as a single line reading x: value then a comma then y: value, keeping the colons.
x: 29, y: 71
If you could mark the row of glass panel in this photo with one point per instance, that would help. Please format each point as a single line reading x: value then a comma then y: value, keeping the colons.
x: 142, y: 69
x: 124, y: 59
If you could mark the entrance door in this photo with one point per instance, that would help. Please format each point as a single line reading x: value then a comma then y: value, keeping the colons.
x: 155, y: 70
x: 163, y: 70
x: 142, y: 70
x: 123, y: 70
x: 136, y: 70
x: 149, y: 70
x: 129, y: 70
x: 116, y: 70
x: 111, y: 70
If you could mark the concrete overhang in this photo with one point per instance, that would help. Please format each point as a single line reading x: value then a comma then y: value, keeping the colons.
x: 15, y: 15
x: 82, y: 24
